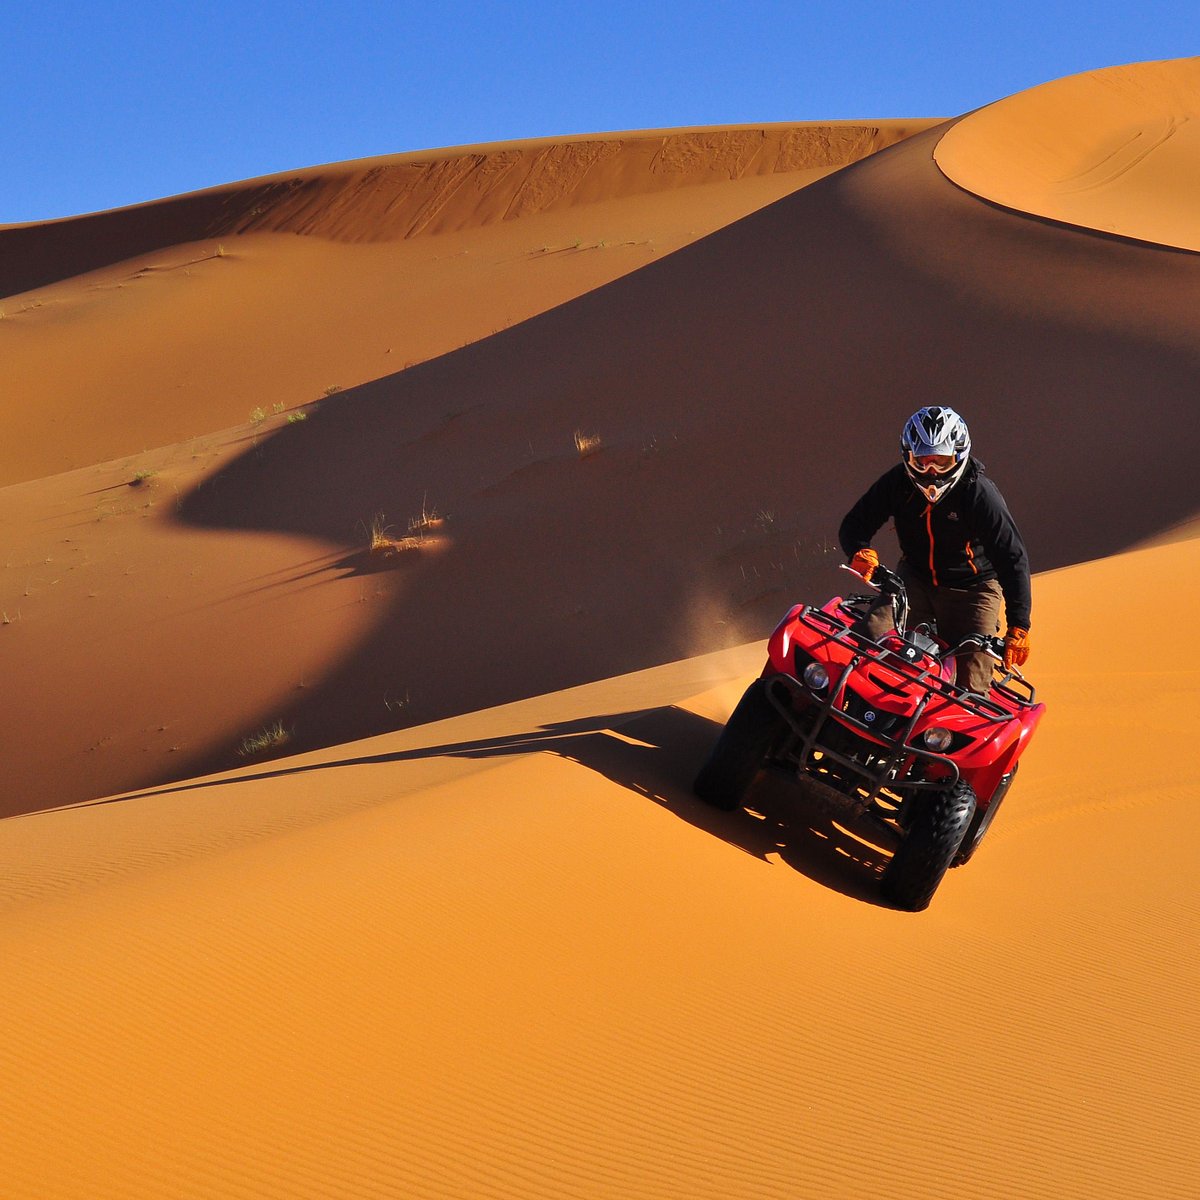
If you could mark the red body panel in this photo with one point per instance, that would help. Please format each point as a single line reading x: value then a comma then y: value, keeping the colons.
x: 989, y: 745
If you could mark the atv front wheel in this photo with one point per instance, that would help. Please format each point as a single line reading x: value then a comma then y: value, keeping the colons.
x: 753, y: 728
x: 936, y: 829
x: 981, y: 822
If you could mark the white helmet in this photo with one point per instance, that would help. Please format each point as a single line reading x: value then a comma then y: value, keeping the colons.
x: 935, y: 446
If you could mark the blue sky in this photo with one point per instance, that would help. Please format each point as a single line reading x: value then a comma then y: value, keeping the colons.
x: 106, y: 105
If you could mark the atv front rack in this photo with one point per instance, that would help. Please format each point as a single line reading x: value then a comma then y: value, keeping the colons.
x: 834, y: 630
x: 890, y: 754
x: 856, y: 607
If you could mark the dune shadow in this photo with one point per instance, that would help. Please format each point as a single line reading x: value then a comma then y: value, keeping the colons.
x: 747, y: 388
x: 555, y: 572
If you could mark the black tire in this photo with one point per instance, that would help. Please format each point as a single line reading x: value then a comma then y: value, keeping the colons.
x: 937, y: 827
x: 753, y: 729
x: 981, y: 822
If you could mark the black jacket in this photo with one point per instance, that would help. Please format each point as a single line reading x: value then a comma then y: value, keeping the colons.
x: 965, y: 538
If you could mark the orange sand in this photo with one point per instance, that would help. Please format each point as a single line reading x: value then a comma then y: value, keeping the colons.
x: 509, y: 955
x: 464, y: 933
x: 1116, y: 150
x: 142, y: 327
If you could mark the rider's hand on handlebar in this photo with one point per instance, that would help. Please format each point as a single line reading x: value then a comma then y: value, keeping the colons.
x: 1016, y: 647
x: 864, y: 563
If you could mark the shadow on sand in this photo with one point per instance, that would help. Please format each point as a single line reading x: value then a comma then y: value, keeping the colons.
x: 655, y: 753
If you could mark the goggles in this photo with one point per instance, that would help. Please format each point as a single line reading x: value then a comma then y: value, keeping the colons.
x: 931, y: 464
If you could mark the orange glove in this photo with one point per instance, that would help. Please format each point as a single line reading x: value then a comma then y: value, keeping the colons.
x: 1016, y: 647
x: 865, y: 562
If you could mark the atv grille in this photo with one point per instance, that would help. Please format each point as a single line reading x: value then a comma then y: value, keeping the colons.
x: 884, y: 724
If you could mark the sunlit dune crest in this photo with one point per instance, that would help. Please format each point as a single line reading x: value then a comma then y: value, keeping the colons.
x: 385, y: 545
x: 1116, y: 150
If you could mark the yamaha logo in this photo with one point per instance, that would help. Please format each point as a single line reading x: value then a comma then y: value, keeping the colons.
x: 869, y: 716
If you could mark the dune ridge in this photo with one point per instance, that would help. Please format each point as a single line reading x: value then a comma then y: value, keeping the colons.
x: 430, y: 192
x: 1114, y: 150
x: 411, y: 195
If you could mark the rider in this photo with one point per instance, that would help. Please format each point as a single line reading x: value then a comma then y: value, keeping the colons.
x: 961, y: 551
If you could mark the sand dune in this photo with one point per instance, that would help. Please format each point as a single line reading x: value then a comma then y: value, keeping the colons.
x: 463, y: 931
x: 191, y: 340
x: 731, y: 383
x: 509, y: 955
x: 1116, y: 150
x: 401, y: 196
x: 186, y: 314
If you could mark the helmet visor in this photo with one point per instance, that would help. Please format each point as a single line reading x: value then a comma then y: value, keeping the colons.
x: 931, y: 464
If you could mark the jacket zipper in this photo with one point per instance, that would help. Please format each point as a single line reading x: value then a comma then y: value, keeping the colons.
x: 929, y: 530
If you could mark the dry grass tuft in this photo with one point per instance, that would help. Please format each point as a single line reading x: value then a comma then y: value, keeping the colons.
x: 428, y: 520
x: 271, y: 738
x: 381, y: 543
x: 587, y: 443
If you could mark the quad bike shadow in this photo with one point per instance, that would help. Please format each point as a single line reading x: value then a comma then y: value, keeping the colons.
x: 653, y: 754
x: 817, y: 838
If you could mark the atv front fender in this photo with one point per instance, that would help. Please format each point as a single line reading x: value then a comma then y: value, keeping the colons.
x: 987, y: 780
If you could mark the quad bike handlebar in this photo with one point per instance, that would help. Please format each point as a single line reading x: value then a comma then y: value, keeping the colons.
x: 990, y: 645
x: 890, y: 584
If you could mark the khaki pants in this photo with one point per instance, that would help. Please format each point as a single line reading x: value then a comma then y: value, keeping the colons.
x: 957, y: 612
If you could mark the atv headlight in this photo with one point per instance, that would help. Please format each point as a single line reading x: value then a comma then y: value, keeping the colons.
x: 937, y: 740
x: 816, y: 676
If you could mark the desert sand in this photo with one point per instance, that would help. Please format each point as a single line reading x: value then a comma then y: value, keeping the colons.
x: 458, y: 929
x: 1115, y: 150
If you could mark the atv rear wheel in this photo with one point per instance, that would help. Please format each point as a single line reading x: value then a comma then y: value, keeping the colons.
x: 753, y: 729
x: 981, y: 822
x: 938, y: 824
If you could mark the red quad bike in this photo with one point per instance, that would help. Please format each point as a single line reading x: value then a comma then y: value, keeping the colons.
x: 883, y: 724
